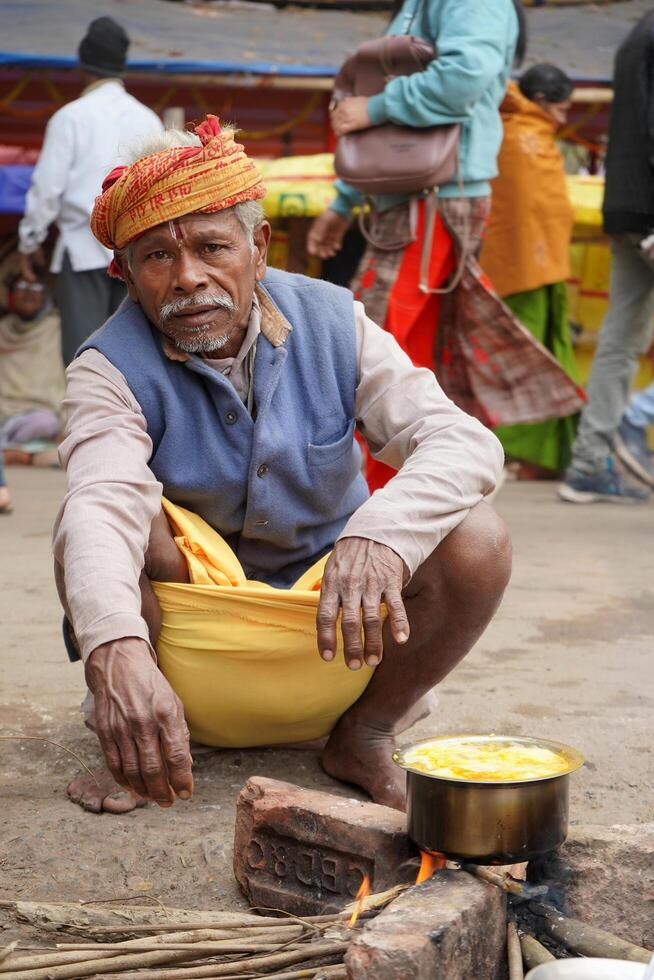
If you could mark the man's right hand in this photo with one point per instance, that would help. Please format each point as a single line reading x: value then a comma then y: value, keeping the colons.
x: 140, y: 722
x: 30, y: 263
x: 326, y: 234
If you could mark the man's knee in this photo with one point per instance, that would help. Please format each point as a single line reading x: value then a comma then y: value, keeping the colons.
x: 474, y: 559
x: 482, y: 552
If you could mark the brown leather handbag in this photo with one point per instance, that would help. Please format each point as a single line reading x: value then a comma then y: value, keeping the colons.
x: 391, y: 159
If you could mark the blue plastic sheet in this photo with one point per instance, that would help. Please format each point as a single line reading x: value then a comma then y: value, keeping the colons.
x: 15, y: 180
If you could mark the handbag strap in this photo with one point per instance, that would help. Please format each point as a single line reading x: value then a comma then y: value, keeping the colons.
x: 431, y: 211
x: 368, y: 231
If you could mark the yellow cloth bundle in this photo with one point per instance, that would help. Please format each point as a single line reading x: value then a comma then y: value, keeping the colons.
x: 242, y: 655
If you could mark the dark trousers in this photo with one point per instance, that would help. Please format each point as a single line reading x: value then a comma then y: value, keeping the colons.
x: 85, y: 301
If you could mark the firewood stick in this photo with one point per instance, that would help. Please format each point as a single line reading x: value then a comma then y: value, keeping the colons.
x: 329, y: 972
x: 587, y: 940
x: 199, y: 949
x: 513, y: 952
x: 6, y: 951
x: 122, y: 918
x: 63, y: 955
x: 51, y: 959
x: 253, y: 965
x: 334, y: 972
x: 172, y: 926
x: 534, y: 953
x: 92, y: 965
x: 502, y: 881
x: 254, y: 922
x: 206, y: 936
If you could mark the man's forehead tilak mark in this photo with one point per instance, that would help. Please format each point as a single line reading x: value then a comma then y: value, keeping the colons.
x: 176, y: 232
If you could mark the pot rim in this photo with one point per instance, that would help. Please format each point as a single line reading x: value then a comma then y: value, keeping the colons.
x: 574, y: 758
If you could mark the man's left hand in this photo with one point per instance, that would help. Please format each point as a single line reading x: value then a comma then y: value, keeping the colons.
x: 350, y: 115
x: 359, y: 575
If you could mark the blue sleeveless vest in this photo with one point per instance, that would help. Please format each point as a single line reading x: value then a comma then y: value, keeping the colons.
x: 279, y: 487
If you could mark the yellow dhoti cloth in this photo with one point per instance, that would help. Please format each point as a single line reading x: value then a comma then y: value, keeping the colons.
x: 242, y: 655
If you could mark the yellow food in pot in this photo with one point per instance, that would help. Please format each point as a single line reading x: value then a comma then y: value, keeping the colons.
x: 488, y: 760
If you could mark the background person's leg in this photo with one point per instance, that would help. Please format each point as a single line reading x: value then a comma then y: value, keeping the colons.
x: 624, y: 335
x: 85, y: 300
x: 449, y: 601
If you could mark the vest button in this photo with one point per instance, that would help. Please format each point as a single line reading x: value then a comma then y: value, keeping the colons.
x: 263, y: 469
x: 230, y: 418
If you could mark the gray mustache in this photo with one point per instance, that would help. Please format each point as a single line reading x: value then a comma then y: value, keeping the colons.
x: 219, y: 300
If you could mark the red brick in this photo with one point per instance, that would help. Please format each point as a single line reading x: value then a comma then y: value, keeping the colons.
x: 306, y: 852
x: 451, y: 926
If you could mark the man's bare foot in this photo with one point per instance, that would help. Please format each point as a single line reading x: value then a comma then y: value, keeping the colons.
x: 102, y: 794
x: 360, y: 755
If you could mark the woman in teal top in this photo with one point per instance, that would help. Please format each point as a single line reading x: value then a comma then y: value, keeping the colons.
x: 483, y: 358
x: 476, y: 41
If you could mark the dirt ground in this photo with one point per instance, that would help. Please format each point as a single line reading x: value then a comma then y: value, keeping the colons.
x: 569, y: 656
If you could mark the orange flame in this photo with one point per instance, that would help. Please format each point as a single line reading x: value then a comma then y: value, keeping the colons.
x: 429, y: 863
x: 364, y: 891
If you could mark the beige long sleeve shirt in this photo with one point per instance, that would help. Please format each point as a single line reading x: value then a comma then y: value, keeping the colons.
x: 446, y: 462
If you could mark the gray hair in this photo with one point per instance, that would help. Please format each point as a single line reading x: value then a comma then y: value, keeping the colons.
x: 249, y: 213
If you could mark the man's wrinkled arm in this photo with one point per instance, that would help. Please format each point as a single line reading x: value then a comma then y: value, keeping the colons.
x: 446, y: 460
x: 102, y: 530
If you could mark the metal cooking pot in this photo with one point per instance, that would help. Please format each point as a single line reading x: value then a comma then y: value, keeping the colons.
x: 488, y: 822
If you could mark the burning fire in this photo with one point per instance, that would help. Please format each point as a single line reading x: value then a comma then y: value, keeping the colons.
x: 364, y: 891
x: 429, y: 863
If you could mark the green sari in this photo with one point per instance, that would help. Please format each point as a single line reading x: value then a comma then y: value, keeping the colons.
x: 544, y: 312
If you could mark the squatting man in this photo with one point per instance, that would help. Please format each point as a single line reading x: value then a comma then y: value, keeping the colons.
x: 220, y: 561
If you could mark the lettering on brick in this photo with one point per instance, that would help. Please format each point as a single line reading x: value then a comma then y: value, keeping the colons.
x: 275, y: 859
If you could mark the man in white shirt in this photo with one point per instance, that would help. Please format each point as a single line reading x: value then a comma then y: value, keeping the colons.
x: 83, y: 141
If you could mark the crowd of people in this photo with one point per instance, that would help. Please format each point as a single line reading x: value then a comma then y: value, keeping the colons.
x: 216, y: 409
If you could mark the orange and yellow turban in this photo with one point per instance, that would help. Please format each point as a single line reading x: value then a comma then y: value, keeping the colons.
x: 169, y: 184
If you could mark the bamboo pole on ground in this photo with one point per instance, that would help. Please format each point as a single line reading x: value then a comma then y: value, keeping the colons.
x: 587, y: 940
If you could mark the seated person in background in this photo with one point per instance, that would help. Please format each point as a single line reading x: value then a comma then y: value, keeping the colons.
x: 229, y: 394
x: 31, y: 369
x: 527, y: 244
